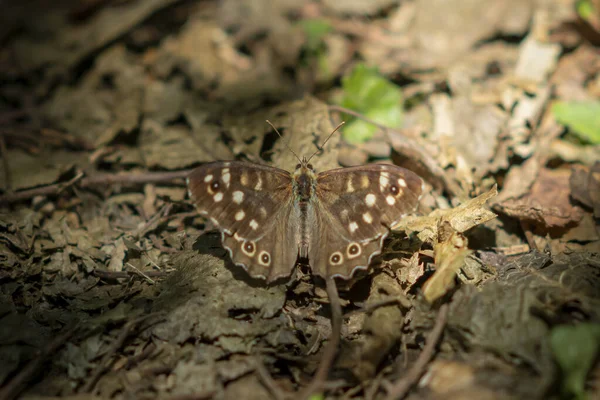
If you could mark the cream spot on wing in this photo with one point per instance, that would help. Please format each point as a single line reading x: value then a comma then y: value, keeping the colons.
x: 208, y: 178
x: 353, y: 226
x: 349, y: 186
x: 370, y: 199
x: 263, y: 212
x: 254, y: 224
x: 367, y: 218
x: 344, y: 214
x: 390, y: 200
x: 214, y: 221
x: 226, y: 176
x: 258, y: 185
x: 238, y: 196
x: 237, y: 237
x: 240, y: 215
x: 244, y: 179
x: 364, y: 181
x: 402, y: 182
x: 384, y: 180
x: 218, y: 197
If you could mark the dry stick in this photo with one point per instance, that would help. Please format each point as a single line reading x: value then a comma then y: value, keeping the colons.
x: 318, y: 381
x: 16, y: 385
x: 413, y: 148
x: 5, y: 164
x: 267, y: 380
x: 399, y: 389
x: 95, y: 180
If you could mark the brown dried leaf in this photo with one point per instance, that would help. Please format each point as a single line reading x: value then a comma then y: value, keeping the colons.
x: 585, y: 186
x: 461, y: 218
x: 547, y: 204
x: 450, y: 252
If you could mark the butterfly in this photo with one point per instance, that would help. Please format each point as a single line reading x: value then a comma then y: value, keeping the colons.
x: 335, y: 220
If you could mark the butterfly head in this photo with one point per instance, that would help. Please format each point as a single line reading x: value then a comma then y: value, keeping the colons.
x: 304, y: 180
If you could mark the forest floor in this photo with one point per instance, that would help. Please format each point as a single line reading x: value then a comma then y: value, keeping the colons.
x: 113, y: 286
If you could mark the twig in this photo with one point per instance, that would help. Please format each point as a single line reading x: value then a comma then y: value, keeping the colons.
x: 70, y: 182
x: 267, y: 380
x: 14, y: 387
x: 5, y: 164
x: 141, y: 273
x: 100, y: 273
x: 409, y: 148
x: 318, y: 381
x: 399, y: 389
x: 96, y: 180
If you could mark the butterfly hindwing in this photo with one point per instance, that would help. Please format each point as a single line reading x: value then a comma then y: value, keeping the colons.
x: 355, y: 209
x: 274, y: 255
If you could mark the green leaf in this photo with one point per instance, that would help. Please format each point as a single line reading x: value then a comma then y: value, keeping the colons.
x: 585, y: 9
x: 372, y: 95
x: 582, y: 118
x: 315, y: 30
x: 575, y: 349
x: 316, y: 397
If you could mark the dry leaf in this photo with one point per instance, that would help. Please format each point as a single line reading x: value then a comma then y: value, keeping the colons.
x: 547, y: 204
x: 450, y: 252
x: 461, y: 218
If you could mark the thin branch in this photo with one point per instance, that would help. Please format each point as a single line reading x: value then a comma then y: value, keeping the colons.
x: 5, y: 164
x: 318, y: 382
x: 400, y: 388
x: 103, y: 274
x: 96, y: 180
x: 267, y: 380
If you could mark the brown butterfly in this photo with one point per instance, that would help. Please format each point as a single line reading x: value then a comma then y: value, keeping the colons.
x: 336, y: 220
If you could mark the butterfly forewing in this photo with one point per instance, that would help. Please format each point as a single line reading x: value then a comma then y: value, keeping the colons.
x: 355, y: 208
x: 246, y: 202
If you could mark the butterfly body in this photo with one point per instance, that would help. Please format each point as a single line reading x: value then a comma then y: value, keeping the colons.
x: 336, y: 220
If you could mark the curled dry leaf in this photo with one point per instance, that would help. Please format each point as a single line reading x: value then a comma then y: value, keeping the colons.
x: 461, y: 218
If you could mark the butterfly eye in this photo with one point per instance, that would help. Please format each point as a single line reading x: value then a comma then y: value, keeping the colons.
x: 309, y: 166
x: 298, y: 166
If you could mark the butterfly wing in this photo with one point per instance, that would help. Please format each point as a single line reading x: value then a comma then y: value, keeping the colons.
x: 245, y: 200
x: 354, y: 209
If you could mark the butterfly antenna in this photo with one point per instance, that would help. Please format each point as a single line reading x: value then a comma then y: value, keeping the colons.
x: 320, y: 148
x: 286, y: 144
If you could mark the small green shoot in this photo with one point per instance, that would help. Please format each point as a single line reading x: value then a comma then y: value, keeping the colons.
x: 575, y: 348
x: 582, y: 118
